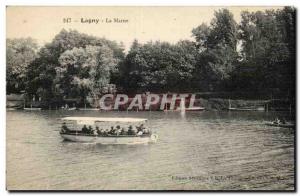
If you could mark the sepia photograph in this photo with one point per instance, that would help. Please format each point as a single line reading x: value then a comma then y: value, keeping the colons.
x: 150, y: 98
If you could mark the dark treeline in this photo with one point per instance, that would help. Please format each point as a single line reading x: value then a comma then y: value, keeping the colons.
x: 256, y: 55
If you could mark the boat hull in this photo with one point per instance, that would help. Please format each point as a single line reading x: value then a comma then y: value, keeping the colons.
x: 71, y: 109
x: 110, y: 139
x: 246, y: 109
x: 281, y: 125
x: 32, y: 109
x: 89, y: 109
x: 194, y: 109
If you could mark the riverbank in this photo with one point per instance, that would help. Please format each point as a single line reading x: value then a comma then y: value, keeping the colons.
x: 15, y: 101
x: 218, y: 104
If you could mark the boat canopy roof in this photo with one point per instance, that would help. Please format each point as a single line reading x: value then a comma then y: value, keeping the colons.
x: 82, y: 120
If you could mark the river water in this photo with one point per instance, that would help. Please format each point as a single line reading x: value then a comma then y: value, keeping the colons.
x: 195, y: 151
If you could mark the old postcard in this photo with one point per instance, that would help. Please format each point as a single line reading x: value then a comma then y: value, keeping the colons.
x: 150, y: 98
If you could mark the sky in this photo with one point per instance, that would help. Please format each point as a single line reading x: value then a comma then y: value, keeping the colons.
x: 145, y: 24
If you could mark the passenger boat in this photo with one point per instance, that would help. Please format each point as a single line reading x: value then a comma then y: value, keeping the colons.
x: 76, y: 134
x: 274, y: 124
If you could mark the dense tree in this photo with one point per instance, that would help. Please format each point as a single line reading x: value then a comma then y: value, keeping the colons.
x: 19, y: 54
x: 258, y: 54
x: 84, y: 71
x: 268, y: 50
x: 42, y: 77
x: 286, y: 19
x: 218, y: 55
x: 159, y: 66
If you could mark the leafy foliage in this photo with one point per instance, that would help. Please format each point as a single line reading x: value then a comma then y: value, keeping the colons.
x: 19, y: 54
x: 159, y: 66
x: 258, y: 54
x: 73, y: 64
x: 84, y: 71
x: 217, y: 51
x: 268, y: 50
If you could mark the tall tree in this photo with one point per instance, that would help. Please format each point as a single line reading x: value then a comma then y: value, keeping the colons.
x: 268, y: 49
x: 19, y: 54
x: 42, y: 76
x: 217, y: 45
x: 85, y: 71
x: 159, y: 66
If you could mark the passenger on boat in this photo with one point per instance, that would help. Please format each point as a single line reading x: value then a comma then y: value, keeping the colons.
x: 146, y: 131
x: 118, y: 130
x: 135, y: 130
x: 111, y: 131
x: 131, y: 131
x: 140, y: 128
x: 276, y: 121
x: 102, y: 132
x: 91, y: 131
x: 64, y: 128
x: 98, y: 131
x: 105, y: 132
x: 140, y: 133
x: 123, y: 132
x: 143, y: 129
x: 84, y: 129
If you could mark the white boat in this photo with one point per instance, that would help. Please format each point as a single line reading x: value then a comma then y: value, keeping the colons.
x: 195, y: 109
x: 11, y: 109
x: 110, y: 139
x: 184, y: 109
x: 76, y: 135
x: 247, y: 109
x: 32, y: 109
x: 191, y: 109
x: 67, y: 108
x: 89, y: 109
x: 254, y: 108
x: 74, y: 108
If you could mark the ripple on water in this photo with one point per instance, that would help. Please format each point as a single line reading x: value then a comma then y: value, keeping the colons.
x: 205, y: 145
